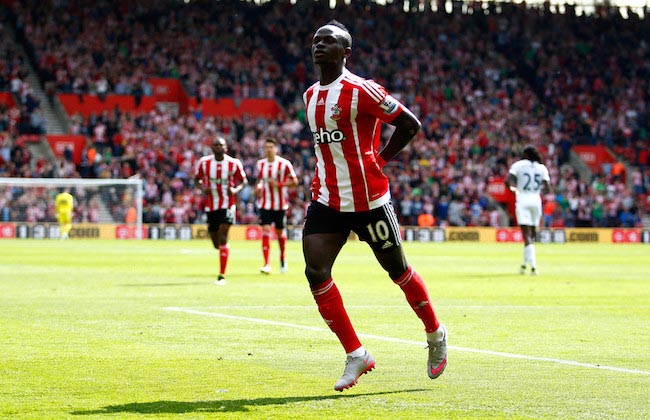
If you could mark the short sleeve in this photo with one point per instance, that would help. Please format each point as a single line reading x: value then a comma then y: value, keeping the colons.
x: 289, y: 172
x: 240, y: 174
x: 375, y: 100
x: 198, y: 169
x: 513, y: 168
x: 545, y: 175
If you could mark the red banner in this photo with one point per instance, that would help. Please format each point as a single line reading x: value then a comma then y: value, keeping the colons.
x: 7, y: 99
x: 626, y: 236
x: 254, y: 233
x: 59, y: 143
x: 594, y: 156
x: 170, y: 90
x: 227, y: 107
x: 498, y: 190
x: 129, y: 232
x: 509, y: 235
x: 87, y: 104
x: 264, y: 107
x: 7, y: 230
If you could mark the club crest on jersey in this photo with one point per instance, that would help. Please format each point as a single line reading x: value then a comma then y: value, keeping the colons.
x: 325, y: 137
x: 388, y: 105
x: 336, y: 112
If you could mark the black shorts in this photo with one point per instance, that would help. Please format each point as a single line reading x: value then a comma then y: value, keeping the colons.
x: 220, y: 217
x: 277, y: 217
x: 379, y: 227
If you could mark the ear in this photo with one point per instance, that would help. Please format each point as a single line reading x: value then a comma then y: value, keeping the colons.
x: 346, y: 53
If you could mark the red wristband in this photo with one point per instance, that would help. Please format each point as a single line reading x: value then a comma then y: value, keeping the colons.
x: 380, y: 161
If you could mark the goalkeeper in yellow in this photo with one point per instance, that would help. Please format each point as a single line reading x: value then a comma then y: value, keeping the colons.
x: 63, y: 206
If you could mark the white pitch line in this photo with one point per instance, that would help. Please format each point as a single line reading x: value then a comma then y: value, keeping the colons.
x: 417, y: 343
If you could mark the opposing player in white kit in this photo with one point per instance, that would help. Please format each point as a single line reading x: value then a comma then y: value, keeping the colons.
x: 528, y: 178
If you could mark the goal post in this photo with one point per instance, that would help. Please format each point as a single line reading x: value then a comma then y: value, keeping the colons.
x: 96, y: 200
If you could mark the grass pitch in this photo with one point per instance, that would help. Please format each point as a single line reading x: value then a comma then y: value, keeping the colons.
x: 127, y: 329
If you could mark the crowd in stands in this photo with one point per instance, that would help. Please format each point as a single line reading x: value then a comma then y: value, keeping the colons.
x: 36, y: 204
x: 20, y: 114
x: 483, y: 85
x: 24, y: 115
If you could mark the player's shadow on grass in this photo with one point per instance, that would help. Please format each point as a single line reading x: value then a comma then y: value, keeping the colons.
x: 506, y: 275
x: 163, y: 284
x: 206, y: 280
x: 219, y: 406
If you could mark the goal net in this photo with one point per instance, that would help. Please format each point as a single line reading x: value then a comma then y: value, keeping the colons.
x: 29, y: 203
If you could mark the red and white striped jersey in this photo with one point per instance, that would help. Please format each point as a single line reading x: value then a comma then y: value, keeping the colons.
x: 177, y: 215
x: 345, y: 119
x: 219, y: 176
x: 281, y: 170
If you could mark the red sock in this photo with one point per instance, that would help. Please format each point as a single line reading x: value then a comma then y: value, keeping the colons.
x: 330, y: 306
x: 224, y: 251
x: 282, y: 240
x: 266, y: 246
x: 417, y: 296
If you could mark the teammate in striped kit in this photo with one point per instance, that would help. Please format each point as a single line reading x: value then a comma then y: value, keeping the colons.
x: 275, y: 175
x: 350, y: 193
x: 220, y: 177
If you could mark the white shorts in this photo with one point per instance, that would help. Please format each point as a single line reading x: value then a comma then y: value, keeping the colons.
x: 528, y: 214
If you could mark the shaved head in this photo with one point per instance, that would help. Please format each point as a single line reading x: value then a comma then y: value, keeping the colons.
x: 339, y: 31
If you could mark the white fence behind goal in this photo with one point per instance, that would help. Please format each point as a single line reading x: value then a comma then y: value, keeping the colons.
x: 31, y: 200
